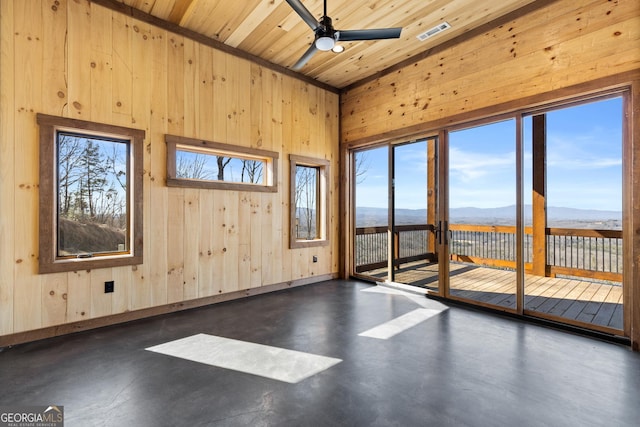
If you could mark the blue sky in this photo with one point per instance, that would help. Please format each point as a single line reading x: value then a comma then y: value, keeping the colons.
x: 584, y: 163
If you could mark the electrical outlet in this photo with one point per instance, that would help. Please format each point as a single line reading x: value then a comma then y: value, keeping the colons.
x: 315, y: 258
x: 108, y: 286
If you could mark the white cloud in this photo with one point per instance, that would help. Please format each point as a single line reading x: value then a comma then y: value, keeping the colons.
x: 580, y: 152
x: 469, y: 166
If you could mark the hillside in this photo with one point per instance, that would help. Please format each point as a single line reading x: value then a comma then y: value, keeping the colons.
x: 556, y: 216
x: 76, y: 238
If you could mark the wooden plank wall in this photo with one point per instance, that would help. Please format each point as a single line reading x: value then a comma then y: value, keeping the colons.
x: 75, y: 59
x: 546, y: 55
x: 564, y: 44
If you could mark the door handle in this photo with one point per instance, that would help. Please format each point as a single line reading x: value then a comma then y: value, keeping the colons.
x: 442, y: 230
x: 445, y: 232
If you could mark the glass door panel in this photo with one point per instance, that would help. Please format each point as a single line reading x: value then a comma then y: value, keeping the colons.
x: 573, y: 182
x: 482, y: 214
x: 415, y: 260
x: 371, y: 178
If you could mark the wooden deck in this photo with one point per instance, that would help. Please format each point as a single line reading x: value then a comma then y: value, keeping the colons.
x: 598, y: 304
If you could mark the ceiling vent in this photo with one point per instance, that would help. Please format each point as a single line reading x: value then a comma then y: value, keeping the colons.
x: 433, y: 31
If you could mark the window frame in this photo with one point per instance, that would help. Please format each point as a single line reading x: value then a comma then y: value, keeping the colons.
x: 322, y: 202
x: 270, y: 159
x: 49, y: 262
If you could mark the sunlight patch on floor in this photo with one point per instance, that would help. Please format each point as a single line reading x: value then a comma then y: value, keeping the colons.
x: 400, y: 324
x: 270, y: 362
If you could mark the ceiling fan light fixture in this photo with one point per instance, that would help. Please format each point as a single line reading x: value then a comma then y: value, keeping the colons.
x: 327, y: 38
x: 325, y: 43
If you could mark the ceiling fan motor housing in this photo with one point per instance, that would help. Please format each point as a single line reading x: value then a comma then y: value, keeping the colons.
x: 325, y: 34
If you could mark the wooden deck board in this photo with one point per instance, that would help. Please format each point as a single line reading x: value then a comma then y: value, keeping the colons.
x: 550, y: 303
x: 617, y: 319
x: 581, y: 303
x: 482, y: 284
x: 564, y: 304
x: 605, y: 314
x: 596, y: 303
x: 495, y: 288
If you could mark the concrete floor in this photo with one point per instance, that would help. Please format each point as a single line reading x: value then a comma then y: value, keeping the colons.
x: 342, y: 353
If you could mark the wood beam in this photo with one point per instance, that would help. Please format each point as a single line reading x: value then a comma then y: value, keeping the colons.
x: 180, y: 10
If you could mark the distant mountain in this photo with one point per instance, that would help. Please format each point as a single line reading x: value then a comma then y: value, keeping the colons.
x: 367, y: 217
x: 553, y: 213
x: 378, y: 216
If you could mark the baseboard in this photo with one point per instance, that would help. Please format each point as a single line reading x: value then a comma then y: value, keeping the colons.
x: 114, y: 319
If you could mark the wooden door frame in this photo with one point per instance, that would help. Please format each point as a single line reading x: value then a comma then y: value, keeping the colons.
x: 631, y: 214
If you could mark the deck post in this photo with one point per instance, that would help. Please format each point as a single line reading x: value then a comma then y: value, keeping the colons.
x: 539, y: 199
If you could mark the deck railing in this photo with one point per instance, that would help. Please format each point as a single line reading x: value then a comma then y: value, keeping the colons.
x: 571, y: 252
x: 599, y: 253
x: 371, y: 248
x: 372, y: 245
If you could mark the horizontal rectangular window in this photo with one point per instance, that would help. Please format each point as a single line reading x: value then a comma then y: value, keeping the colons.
x: 206, y: 164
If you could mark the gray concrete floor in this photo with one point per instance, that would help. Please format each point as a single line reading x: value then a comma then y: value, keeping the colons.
x: 457, y: 367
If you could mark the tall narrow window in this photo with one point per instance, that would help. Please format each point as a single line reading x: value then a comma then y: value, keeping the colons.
x: 309, y: 201
x: 90, y: 195
x: 307, y: 180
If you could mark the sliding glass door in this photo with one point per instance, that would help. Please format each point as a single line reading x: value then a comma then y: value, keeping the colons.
x: 395, y: 205
x: 522, y: 214
x: 370, y: 175
x: 574, y: 208
x: 535, y: 214
x: 414, y: 199
x: 482, y: 214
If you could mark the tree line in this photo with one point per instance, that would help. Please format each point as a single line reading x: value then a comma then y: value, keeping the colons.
x: 92, y: 180
x: 197, y: 166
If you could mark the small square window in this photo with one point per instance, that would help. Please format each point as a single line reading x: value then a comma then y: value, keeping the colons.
x: 309, y: 202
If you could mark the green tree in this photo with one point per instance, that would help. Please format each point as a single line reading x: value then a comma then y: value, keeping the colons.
x: 93, y: 180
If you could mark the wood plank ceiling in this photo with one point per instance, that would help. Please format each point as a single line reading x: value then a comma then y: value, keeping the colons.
x: 271, y: 30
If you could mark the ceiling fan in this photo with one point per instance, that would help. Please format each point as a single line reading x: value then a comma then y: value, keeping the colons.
x: 326, y: 36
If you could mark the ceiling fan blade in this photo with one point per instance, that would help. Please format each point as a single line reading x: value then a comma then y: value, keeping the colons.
x: 376, y: 34
x: 304, y: 13
x: 305, y: 57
